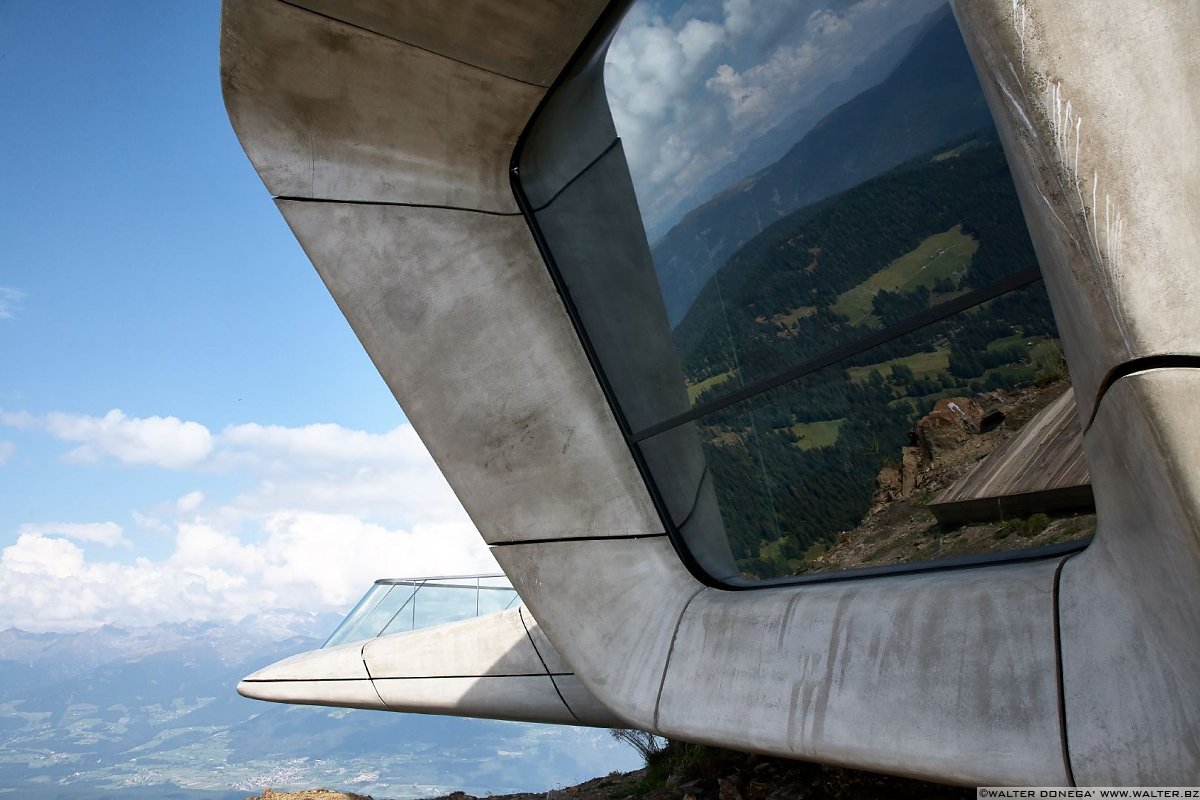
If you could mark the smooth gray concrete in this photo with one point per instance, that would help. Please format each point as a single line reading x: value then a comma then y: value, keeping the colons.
x: 315, y: 692
x: 945, y: 675
x: 513, y: 697
x: 494, y: 379
x: 1097, y: 110
x: 631, y: 592
x: 578, y: 128
x: 342, y: 663
x: 499, y: 666
x: 336, y: 676
x: 1130, y: 603
x: 496, y: 644
x: 528, y: 41
x: 914, y: 674
x: 329, y: 111
x: 594, y: 229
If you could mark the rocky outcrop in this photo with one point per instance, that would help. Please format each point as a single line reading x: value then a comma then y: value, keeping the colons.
x: 309, y: 794
x: 952, y: 422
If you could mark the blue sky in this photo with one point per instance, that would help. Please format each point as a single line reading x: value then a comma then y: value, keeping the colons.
x: 167, y: 350
x: 188, y: 426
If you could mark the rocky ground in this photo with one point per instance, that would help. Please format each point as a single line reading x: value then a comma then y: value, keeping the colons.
x: 690, y: 772
x: 946, y: 444
x: 309, y: 794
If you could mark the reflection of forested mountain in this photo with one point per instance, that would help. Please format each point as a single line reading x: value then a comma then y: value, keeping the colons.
x: 829, y: 273
x: 931, y: 97
x: 797, y: 464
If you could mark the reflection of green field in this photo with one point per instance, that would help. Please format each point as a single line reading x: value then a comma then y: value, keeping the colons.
x: 923, y: 365
x: 795, y: 315
x: 1014, y: 374
x: 696, y: 389
x: 996, y: 345
x: 957, y: 151
x: 817, y: 434
x: 1046, y: 355
x: 921, y: 266
x: 1042, y: 353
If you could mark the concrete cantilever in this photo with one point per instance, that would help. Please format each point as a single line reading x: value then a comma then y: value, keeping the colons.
x: 499, y: 666
x: 393, y: 158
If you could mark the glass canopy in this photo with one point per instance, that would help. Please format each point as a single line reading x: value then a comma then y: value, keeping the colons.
x: 396, y: 605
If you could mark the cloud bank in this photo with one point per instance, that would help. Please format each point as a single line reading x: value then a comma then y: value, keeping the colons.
x: 691, y: 87
x: 325, y: 511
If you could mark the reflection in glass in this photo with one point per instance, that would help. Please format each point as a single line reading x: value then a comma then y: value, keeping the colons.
x: 896, y: 246
x: 845, y: 467
x: 399, y: 605
x: 794, y: 203
x: 821, y: 192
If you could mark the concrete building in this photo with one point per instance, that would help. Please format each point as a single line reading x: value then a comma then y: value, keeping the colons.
x: 454, y: 174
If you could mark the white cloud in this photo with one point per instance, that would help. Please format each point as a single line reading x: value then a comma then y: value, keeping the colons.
x: 108, y: 534
x: 189, y: 502
x: 308, y: 561
x: 6, y: 451
x: 167, y: 442
x: 17, y: 419
x: 322, y: 443
x: 10, y: 301
x: 150, y: 522
x: 34, y: 554
x: 689, y: 91
x: 325, y: 510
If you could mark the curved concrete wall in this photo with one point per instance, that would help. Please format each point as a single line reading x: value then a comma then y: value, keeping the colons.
x: 394, y: 155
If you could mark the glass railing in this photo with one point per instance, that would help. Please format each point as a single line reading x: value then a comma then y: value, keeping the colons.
x: 395, y: 605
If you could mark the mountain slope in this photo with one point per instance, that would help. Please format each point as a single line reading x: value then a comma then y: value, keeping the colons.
x: 152, y: 712
x: 930, y: 98
x: 772, y: 144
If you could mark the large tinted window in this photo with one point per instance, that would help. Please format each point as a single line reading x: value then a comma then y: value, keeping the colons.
x: 790, y: 237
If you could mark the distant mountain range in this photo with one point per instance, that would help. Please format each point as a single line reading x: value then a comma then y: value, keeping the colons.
x: 771, y: 145
x: 152, y: 712
x: 931, y: 97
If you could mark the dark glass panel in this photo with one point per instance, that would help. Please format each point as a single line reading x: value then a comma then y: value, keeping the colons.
x: 838, y: 469
x: 863, y: 261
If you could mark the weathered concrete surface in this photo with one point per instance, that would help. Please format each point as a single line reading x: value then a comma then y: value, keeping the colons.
x: 496, y: 644
x: 465, y: 324
x: 1097, y: 109
x: 326, y: 110
x: 615, y: 605
x: 499, y: 666
x: 828, y: 672
x: 1130, y: 603
x: 492, y: 376
x: 332, y: 677
x: 528, y: 41
x: 915, y: 674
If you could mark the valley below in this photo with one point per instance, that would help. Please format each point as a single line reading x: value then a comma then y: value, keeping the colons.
x: 152, y: 713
